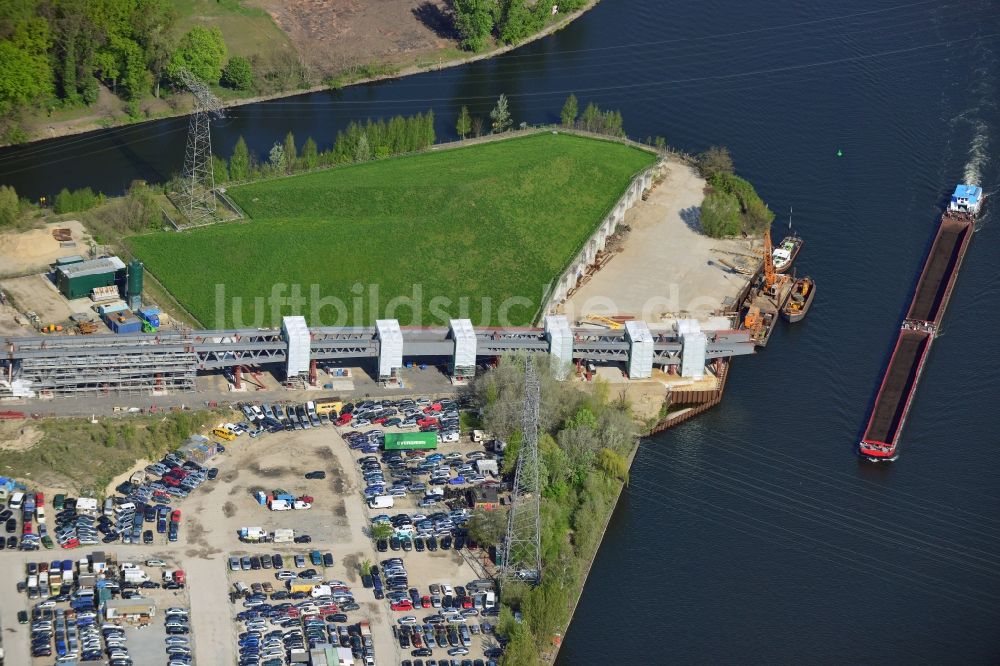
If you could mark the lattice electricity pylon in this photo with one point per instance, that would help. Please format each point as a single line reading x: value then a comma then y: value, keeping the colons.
x: 197, y: 195
x: 522, y: 547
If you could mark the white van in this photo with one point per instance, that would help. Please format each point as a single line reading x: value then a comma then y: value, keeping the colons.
x: 16, y: 501
x: 124, y: 508
x: 380, y: 502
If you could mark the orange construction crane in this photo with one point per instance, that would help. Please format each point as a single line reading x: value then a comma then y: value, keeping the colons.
x: 770, y: 276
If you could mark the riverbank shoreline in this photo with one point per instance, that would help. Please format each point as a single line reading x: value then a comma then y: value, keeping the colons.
x: 409, y: 70
x: 550, y: 658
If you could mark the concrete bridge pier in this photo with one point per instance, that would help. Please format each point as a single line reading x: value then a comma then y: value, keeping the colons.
x: 390, y: 352
x: 560, y: 338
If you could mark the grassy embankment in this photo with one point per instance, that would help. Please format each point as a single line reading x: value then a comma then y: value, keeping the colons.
x: 490, y: 221
x: 80, y: 456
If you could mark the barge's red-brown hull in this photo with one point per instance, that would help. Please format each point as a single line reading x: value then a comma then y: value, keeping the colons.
x: 934, y: 288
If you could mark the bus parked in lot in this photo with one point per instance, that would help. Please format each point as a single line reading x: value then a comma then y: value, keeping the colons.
x: 329, y: 405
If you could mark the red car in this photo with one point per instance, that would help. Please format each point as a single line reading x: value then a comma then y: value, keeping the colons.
x: 39, y: 499
x: 466, y: 602
x: 344, y: 419
x: 171, y: 481
x: 402, y: 605
x: 26, y: 528
x: 425, y: 601
x: 175, y: 516
x: 436, y: 407
x: 178, y: 472
x: 427, y: 421
x: 71, y: 543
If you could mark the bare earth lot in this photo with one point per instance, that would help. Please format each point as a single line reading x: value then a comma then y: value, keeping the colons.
x: 34, y: 250
x: 335, y: 34
x: 668, y: 267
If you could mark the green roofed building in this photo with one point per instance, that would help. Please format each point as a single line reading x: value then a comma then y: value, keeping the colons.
x: 78, y: 279
x: 410, y: 441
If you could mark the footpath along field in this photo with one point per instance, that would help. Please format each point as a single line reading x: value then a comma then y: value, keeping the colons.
x: 489, y: 221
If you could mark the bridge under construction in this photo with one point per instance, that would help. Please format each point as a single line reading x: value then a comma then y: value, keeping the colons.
x: 170, y: 361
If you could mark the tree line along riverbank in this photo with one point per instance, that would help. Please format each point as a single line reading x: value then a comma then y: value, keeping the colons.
x: 586, y: 441
x: 68, y: 67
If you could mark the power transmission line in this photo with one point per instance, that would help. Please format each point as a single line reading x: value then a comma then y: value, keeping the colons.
x: 197, y: 195
x: 522, y: 547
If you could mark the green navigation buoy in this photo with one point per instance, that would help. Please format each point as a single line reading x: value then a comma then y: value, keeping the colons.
x: 840, y: 153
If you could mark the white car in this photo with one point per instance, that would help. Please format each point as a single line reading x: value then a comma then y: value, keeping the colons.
x: 155, y: 563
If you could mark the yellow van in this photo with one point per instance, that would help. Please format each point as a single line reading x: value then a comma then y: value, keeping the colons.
x: 222, y: 433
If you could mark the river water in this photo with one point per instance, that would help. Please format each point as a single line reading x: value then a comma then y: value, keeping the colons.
x: 754, y: 534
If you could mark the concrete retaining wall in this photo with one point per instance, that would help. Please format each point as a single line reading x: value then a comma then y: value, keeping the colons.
x: 598, y: 240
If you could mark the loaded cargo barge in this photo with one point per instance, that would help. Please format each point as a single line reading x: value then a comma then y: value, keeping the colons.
x: 921, y: 325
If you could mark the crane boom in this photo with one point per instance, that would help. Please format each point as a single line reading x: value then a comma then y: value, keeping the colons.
x: 770, y: 276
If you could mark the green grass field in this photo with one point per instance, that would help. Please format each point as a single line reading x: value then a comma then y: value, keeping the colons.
x: 461, y: 231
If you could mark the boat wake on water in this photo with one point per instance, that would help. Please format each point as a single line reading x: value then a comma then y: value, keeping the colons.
x: 985, y: 92
x: 978, y: 153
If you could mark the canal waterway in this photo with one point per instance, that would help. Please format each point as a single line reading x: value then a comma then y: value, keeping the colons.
x: 754, y: 534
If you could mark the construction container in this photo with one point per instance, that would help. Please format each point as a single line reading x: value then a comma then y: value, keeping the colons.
x: 260, y: 497
x: 67, y: 261
x: 123, y: 322
x: 111, y: 308
x: 78, y: 280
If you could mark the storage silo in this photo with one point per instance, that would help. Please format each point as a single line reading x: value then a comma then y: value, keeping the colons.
x: 134, y: 292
